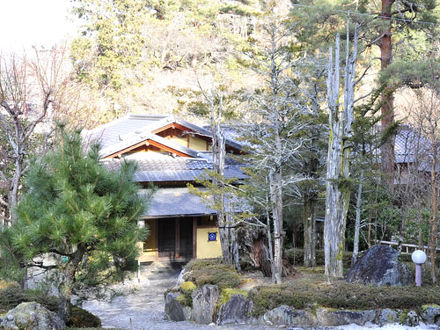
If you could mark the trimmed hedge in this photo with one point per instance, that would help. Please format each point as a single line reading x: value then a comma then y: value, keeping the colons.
x: 303, y: 292
x: 11, y: 297
x: 212, y: 271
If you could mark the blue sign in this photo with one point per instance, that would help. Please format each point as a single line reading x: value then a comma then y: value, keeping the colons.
x: 212, y: 237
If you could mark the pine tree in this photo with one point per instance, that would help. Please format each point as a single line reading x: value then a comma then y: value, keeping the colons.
x: 78, y: 214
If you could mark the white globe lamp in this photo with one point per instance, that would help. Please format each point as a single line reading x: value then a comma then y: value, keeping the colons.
x: 419, y: 258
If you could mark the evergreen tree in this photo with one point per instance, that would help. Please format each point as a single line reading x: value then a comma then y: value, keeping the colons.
x: 79, y: 216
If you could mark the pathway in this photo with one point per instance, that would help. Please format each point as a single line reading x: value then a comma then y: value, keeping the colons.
x: 144, y: 308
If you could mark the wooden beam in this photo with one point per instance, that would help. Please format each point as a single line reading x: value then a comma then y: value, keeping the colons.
x: 174, y: 151
x: 147, y: 143
x: 172, y: 125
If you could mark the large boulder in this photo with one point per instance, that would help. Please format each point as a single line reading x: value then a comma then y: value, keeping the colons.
x: 204, y: 304
x: 380, y: 266
x: 331, y: 318
x: 173, y: 310
x: 237, y: 310
x: 289, y: 316
x: 31, y: 316
x: 431, y: 314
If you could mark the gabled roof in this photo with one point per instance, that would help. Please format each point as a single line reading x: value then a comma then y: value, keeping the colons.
x: 149, y: 138
x: 132, y: 129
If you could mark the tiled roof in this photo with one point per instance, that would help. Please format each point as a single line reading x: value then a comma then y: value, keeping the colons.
x: 114, y: 132
x: 409, y: 144
x: 171, y: 202
x: 154, y: 167
x: 132, y: 129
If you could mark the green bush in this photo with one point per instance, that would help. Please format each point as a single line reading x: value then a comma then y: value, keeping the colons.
x: 84, y: 319
x: 11, y: 297
x: 212, y: 271
x: 198, y: 264
x: 186, y: 289
x: 223, y: 276
x: 339, y: 294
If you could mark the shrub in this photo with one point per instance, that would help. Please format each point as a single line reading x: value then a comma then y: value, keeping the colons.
x: 12, y: 296
x: 84, y: 319
x: 6, y: 284
x: 223, y: 276
x: 187, y: 286
x: 186, y: 289
x: 339, y: 294
x: 212, y: 271
x: 198, y: 264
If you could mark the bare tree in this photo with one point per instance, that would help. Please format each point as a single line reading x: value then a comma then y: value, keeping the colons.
x: 338, y: 171
x: 273, y: 131
x: 29, y: 87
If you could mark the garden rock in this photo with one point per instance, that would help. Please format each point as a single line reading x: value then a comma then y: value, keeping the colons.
x: 412, y: 319
x: 380, y: 266
x: 431, y: 314
x: 204, y: 304
x: 173, y: 310
x: 236, y: 310
x: 187, y: 311
x: 387, y: 315
x: 31, y: 316
x: 329, y: 318
x: 289, y: 316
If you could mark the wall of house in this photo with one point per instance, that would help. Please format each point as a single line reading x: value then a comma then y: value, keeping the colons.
x: 195, y: 143
x: 208, y: 249
x: 150, y: 246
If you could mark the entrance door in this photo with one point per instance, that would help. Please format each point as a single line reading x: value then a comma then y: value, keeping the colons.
x: 166, y: 234
x: 186, y: 238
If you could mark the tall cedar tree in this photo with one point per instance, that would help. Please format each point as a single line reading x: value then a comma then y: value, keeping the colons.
x: 80, y: 216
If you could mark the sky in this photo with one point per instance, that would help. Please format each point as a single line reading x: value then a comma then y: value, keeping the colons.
x: 27, y: 23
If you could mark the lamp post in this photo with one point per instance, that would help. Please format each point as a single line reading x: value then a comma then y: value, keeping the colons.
x: 419, y: 258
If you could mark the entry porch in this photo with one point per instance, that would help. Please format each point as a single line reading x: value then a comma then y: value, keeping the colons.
x: 181, y: 238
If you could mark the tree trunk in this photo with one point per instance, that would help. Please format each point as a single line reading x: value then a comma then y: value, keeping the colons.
x: 262, y: 257
x: 65, y: 295
x: 277, y: 214
x: 357, y: 226
x: 15, y: 184
x: 433, y: 240
x: 338, y: 171
x: 387, y: 111
x: 225, y: 224
x: 309, y: 219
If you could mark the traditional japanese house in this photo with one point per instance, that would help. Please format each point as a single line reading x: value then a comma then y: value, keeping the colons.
x: 170, y: 153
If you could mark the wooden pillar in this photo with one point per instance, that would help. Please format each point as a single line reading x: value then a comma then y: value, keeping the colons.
x: 177, y: 224
x: 194, y: 237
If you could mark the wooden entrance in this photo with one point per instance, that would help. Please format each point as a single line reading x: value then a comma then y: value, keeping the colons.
x: 175, y: 238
